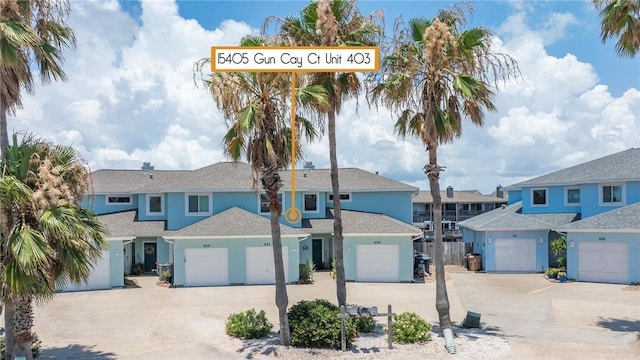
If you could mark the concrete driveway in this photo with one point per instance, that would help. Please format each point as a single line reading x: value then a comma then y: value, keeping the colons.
x: 540, y: 319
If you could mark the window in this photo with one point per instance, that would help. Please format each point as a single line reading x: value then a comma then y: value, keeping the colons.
x: 119, y: 200
x: 572, y: 196
x: 198, y: 204
x: 155, y: 204
x: 264, y: 203
x: 612, y: 194
x: 346, y: 197
x: 311, y: 202
x: 539, y: 197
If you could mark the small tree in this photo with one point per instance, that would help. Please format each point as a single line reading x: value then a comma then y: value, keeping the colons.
x: 559, y: 250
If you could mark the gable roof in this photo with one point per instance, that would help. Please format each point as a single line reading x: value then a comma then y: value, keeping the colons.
x: 459, y: 196
x: 510, y: 218
x: 358, y: 222
x: 621, y: 166
x: 124, y: 224
x: 625, y: 219
x: 234, y: 222
x: 230, y: 176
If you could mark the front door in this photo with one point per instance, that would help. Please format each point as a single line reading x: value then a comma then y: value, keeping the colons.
x: 150, y: 257
x: 316, y: 253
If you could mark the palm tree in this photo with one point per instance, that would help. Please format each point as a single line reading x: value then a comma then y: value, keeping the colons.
x: 53, y: 240
x: 33, y: 35
x: 435, y: 75
x: 333, y: 23
x: 621, y: 19
x: 257, y: 109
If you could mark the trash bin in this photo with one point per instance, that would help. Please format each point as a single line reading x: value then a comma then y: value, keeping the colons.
x: 165, y: 271
x: 474, y: 262
x: 427, y: 262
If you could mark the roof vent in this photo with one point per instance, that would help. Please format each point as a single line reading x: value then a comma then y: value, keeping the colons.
x: 450, y: 192
x: 151, y: 176
x: 499, y: 192
x: 503, y: 206
x: 304, y: 175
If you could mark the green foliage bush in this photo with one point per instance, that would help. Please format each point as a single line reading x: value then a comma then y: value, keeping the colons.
x: 306, y: 272
x: 248, y: 325
x: 36, y: 346
x: 408, y: 327
x: 365, y: 324
x: 315, y: 324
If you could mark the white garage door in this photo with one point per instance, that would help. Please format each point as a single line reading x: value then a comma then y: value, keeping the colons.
x: 206, y: 267
x: 378, y: 263
x: 261, y: 267
x: 515, y: 255
x: 100, y: 277
x: 603, y: 262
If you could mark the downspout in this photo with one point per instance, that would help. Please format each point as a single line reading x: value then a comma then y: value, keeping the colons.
x: 448, y: 341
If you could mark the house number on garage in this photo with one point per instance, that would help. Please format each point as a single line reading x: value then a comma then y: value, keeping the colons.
x: 206, y: 245
x: 377, y: 242
x: 267, y: 244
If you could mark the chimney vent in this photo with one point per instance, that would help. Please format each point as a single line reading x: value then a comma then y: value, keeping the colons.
x: 450, y: 192
x: 499, y: 192
x: 151, y: 176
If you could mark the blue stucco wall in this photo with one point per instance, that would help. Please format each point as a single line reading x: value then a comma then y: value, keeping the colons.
x: 396, y: 204
x: 116, y: 263
x: 514, y: 196
x: 237, y: 257
x: 590, y: 198
x: 405, y: 254
x: 555, y: 201
x: 98, y: 203
x: 142, y: 208
x: 632, y: 241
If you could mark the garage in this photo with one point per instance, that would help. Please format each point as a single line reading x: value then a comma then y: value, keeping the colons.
x: 378, y: 263
x: 603, y: 262
x: 260, y: 266
x: 206, y: 267
x: 100, y: 277
x: 517, y: 255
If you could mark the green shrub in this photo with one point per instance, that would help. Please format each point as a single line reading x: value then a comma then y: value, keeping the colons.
x: 315, y: 324
x: 248, y: 325
x: 36, y: 346
x: 408, y: 327
x: 365, y: 324
x: 306, y: 272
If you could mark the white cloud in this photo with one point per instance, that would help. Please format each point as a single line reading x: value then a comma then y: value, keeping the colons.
x: 131, y: 98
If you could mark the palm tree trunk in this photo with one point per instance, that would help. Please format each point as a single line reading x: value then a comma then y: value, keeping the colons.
x: 9, y: 309
x: 22, y: 325
x: 4, y: 134
x: 442, y: 299
x: 338, y: 240
x: 271, y: 183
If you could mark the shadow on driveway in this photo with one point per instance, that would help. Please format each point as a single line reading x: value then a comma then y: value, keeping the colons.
x: 623, y: 325
x: 75, y: 352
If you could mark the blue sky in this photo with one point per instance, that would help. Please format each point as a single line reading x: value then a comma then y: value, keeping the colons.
x: 131, y: 97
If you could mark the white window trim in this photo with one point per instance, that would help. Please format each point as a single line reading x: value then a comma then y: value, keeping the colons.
x: 566, y: 195
x: 106, y: 199
x: 342, y: 193
x: 317, y: 210
x: 186, y: 204
x: 161, y: 212
x: 546, y: 197
x: 623, y: 194
x: 282, y: 194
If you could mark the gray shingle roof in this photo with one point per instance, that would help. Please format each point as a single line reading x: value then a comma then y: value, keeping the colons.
x: 228, y: 176
x: 622, y: 166
x: 124, y: 224
x: 356, y: 222
x: 510, y: 218
x: 624, y: 219
x: 234, y: 222
x: 459, y: 196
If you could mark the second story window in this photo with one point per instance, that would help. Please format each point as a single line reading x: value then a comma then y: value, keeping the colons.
x: 155, y: 204
x: 539, y: 197
x: 119, y: 200
x: 311, y: 202
x: 612, y: 194
x: 573, y: 196
x: 264, y: 203
x: 198, y: 204
x: 344, y: 197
